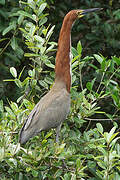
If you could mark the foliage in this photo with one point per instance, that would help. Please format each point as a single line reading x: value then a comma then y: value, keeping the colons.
x: 26, y: 24
x: 87, y: 150
x: 93, y: 154
x: 98, y: 32
x: 11, y: 51
x: 36, y: 37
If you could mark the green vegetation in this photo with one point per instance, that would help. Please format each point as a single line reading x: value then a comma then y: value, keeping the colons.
x: 89, y: 144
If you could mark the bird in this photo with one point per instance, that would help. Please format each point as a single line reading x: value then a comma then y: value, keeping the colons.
x: 54, y: 107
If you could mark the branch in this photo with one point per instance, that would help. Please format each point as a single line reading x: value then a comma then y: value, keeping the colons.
x: 89, y: 119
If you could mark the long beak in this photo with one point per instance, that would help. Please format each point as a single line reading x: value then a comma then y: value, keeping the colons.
x: 90, y: 10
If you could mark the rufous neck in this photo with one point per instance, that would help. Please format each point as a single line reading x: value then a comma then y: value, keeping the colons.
x: 62, y: 68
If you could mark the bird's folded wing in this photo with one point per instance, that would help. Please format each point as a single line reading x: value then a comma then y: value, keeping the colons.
x: 49, y: 111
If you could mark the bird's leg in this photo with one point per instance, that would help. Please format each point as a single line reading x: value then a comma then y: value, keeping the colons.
x: 57, y: 141
x: 58, y: 133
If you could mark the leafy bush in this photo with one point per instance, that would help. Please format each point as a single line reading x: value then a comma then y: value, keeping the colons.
x: 87, y: 150
x: 99, y: 32
x: 92, y: 155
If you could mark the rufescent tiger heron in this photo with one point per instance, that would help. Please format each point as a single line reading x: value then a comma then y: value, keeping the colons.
x: 53, y: 108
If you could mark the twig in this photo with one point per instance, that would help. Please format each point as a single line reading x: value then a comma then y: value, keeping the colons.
x: 88, y: 125
x: 1, y: 52
x: 3, y: 132
x: 89, y: 119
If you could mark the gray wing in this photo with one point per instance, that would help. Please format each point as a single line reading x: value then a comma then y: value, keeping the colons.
x: 50, y: 111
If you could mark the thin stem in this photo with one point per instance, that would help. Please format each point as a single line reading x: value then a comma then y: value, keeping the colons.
x: 88, y: 125
x: 81, y: 80
x: 5, y: 47
x: 108, y: 162
x: 100, y: 82
x: 80, y: 70
x: 89, y: 119
x: 112, y: 76
x: 8, y: 43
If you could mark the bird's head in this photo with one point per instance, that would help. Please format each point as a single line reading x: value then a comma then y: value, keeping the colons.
x: 80, y: 13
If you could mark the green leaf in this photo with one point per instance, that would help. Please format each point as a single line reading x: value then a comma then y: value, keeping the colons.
x: 48, y: 80
x: 21, y: 72
x: 116, y: 59
x: 14, y: 150
x: 40, y: 39
x: 18, y: 83
x: 34, y: 173
x: 117, y: 14
x: 2, y: 153
x: 9, y: 111
x: 28, y: 169
x: 33, y: 83
x: 9, y: 28
x: 113, y: 142
x: 43, y: 84
x: 3, y: 39
x: 93, y: 171
x: 102, y: 150
x: 12, y: 57
x: 99, y: 127
x: 50, y: 32
x: 32, y: 4
x: 74, y: 64
x: 13, y: 72
x: 2, y: 2
x: 27, y: 15
x: 42, y: 49
x: 115, y: 99
x: 20, y: 98
x: 14, y: 106
x: 1, y: 106
x: 89, y: 86
x: 101, y: 164
x: 67, y: 176
x: 79, y: 48
x: 31, y: 73
x: 111, y: 135
x: 31, y: 55
x: 20, y: 19
x: 14, y: 44
x: 23, y: 30
x: 103, y: 65
x: 78, y: 163
x: 73, y: 78
x: 99, y: 59
x: 48, y: 135
x: 60, y: 148
x: 42, y: 21
x: 8, y: 80
x: 58, y: 173
x: 112, y: 131
x: 93, y: 66
x: 74, y: 59
x: 49, y: 64
x: 114, y: 82
x: 91, y: 164
x: 41, y: 8
x: 50, y: 48
x: 74, y: 52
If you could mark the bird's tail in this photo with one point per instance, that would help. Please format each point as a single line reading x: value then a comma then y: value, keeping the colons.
x: 25, y: 134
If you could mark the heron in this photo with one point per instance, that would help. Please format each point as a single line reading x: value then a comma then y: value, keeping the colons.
x: 53, y: 108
